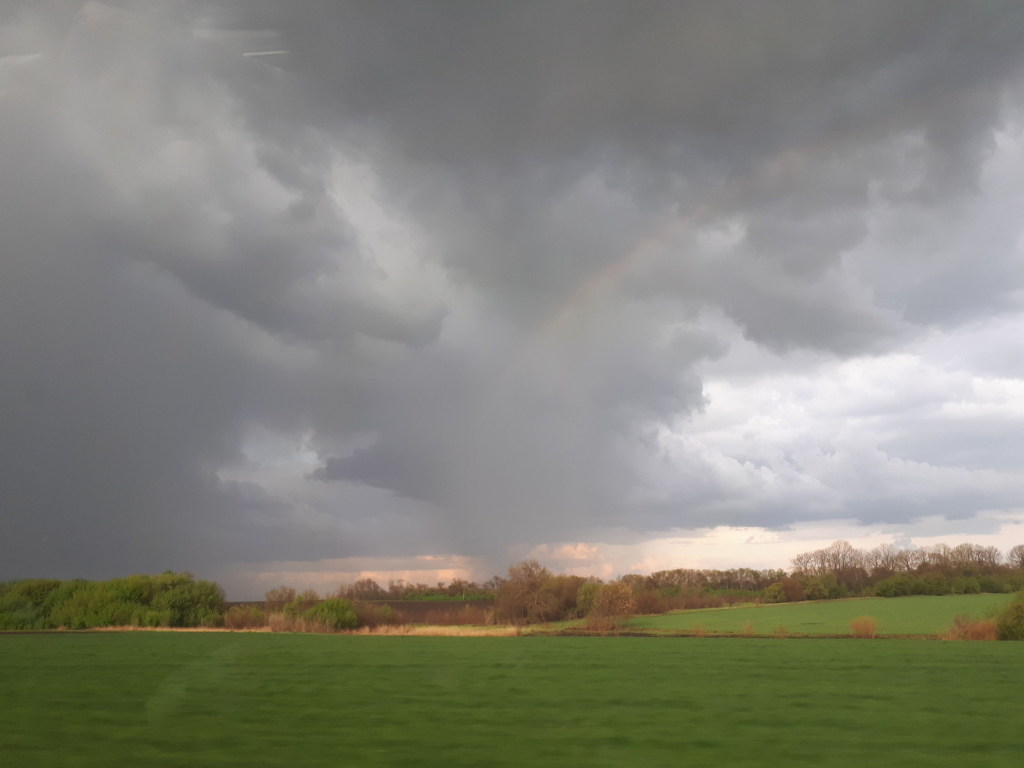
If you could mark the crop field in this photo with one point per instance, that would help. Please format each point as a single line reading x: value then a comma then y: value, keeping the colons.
x: 220, y: 699
x: 918, y: 615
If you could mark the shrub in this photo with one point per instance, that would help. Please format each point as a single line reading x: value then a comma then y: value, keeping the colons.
x: 990, y: 583
x: 604, y: 624
x: 245, y: 617
x: 824, y: 587
x: 170, y: 599
x: 63, y: 594
x: 648, y: 601
x: 93, y: 605
x: 968, y: 628
x: 786, y: 591
x: 279, y: 622
x: 983, y: 629
x: 863, y: 627
x: 35, y: 591
x: 1010, y: 621
x: 586, y: 596
x: 19, y: 614
x: 335, y: 613
x: 191, y: 603
x: 895, y: 586
x: 614, y: 600
x: 301, y: 603
x: 966, y: 585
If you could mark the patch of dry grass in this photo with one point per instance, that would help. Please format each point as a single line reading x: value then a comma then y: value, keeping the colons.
x: 288, y: 624
x: 132, y: 628
x: 436, y: 630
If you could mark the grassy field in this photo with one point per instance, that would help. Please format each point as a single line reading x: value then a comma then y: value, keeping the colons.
x: 919, y: 615
x: 168, y: 699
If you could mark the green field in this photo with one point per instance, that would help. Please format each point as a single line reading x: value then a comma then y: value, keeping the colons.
x: 218, y: 699
x: 919, y: 615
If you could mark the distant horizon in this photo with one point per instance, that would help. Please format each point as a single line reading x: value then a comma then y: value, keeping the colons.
x: 328, y: 582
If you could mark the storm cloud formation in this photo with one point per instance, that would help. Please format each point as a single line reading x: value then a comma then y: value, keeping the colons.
x: 289, y: 281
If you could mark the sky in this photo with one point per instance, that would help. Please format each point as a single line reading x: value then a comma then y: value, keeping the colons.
x: 302, y: 292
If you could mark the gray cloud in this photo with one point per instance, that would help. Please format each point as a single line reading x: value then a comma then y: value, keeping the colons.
x: 472, y: 264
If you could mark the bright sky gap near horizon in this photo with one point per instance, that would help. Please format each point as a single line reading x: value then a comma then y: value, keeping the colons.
x: 301, y: 292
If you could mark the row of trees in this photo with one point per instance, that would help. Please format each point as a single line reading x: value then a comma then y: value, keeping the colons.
x: 887, y: 559
x: 528, y: 593
x: 531, y: 593
x: 841, y: 570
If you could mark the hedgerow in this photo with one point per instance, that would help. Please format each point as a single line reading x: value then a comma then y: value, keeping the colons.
x: 165, y: 600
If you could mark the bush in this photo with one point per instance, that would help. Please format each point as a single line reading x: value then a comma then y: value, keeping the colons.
x: 991, y: 584
x: 191, y: 603
x: 933, y: 584
x: 604, y: 624
x: 824, y: 587
x: 899, y: 585
x: 19, y: 614
x: 245, y: 617
x: 614, y: 600
x: 966, y: 585
x: 170, y: 599
x: 968, y: 628
x: 1010, y: 621
x: 648, y: 602
x: 335, y: 613
x: 34, y: 591
x: 788, y: 590
x: 864, y: 627
x: 93, y: 605
x: 586, y: 596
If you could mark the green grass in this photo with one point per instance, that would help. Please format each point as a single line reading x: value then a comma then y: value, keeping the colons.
x: 920, y: 615
x: 164, y: 699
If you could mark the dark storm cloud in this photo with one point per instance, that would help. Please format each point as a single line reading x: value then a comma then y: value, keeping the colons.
x: 489, y: 326
x: 513, y: 108
x: 149, y: 298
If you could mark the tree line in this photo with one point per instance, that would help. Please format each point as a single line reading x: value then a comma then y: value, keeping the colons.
x: 842, y: 570
x: 528, y: 593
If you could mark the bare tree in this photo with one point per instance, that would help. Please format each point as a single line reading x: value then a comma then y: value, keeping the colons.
x: 522, y: 598
x: 883, y: 560
x: 1015, y: 557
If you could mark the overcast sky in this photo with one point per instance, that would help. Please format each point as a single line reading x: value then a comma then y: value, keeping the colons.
x: 297, y: 292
